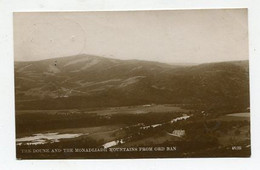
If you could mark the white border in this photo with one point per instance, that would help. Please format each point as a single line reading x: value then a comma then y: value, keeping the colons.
x: 7, y: 130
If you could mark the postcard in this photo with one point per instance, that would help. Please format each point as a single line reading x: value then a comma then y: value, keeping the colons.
x: 132, y: 84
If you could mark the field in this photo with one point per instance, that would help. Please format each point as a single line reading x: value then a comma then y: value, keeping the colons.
x: 134, y: 126
x: 111, y: 110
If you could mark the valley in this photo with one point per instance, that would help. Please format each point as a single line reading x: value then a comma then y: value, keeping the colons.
x: 86, y: 101
x: 191, y: 131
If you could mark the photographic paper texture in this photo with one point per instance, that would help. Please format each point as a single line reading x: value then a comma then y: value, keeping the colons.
x: 132, y: 84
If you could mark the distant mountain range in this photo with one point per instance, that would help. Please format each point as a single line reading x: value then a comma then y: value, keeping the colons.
x: 85, y: 81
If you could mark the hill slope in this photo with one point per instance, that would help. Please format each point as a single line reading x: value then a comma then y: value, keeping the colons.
x: 91, y: 81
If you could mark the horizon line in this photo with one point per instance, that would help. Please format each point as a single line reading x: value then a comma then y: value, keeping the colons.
x: 93, y: 55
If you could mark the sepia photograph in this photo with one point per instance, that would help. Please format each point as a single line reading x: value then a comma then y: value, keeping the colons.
x: 132, y: 84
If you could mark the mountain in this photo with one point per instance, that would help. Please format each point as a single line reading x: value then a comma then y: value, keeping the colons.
x: 85, y: 81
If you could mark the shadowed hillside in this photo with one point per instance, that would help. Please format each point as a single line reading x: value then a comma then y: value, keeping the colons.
x: 85, y: 81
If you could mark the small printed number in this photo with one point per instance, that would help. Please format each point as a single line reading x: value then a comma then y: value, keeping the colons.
x: 236, y: 148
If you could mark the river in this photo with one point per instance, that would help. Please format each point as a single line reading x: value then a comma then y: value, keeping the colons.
x: 121, y: 141
x: 43, y: 138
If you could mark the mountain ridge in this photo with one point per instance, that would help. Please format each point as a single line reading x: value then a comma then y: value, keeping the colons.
x: 82, y: 82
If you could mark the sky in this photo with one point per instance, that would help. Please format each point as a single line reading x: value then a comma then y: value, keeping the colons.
x: 168, y: 36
